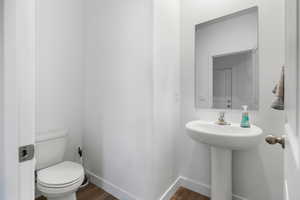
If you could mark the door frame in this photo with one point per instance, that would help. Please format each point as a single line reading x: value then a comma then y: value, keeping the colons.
x: 292, y: 73
x: 228, y: 87
x: 19, y: 97
x: 211, y: 57
x: 292, y: 100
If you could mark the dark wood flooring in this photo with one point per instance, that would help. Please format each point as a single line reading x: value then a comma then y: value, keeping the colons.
x: 185, y: 194
x: 92, y: 192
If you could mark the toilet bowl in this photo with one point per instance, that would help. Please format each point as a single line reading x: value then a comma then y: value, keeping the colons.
x: 56, y: 179
x: 61, y: 181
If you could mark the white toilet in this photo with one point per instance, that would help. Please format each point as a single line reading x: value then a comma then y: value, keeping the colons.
x: 56, y: 179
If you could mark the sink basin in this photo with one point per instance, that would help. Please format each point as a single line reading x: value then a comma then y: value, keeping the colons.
x: 222, y: 140
x: 229, y: 136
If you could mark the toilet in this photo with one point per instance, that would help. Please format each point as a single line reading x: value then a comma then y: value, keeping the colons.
x: 56, y: 179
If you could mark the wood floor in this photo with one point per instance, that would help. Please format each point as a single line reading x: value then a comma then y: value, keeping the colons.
x: 185, y: 194
x: 92, y: 192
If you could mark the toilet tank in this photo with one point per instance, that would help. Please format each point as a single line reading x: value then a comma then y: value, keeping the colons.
x: 50, y: 148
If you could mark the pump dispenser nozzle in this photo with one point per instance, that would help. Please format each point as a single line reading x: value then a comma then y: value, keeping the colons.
x: 245, y: 108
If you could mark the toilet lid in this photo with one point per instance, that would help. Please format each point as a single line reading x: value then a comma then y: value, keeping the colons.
x: 60, y: 174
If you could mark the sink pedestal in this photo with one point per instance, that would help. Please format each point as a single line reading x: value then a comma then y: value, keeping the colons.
x: 221, y: 173
x: 222, y: 140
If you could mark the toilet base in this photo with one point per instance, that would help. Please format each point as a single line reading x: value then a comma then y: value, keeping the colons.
x: 71, y: 196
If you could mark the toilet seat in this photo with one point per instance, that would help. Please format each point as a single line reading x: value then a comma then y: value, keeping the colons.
x: 62, y: 175
x: 59, y: 185
x: 60, y: 193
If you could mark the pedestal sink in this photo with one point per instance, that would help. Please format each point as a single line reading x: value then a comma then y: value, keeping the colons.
x: 223, y: 139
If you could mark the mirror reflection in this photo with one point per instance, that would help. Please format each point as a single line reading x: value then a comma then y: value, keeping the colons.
x: 226, y: 61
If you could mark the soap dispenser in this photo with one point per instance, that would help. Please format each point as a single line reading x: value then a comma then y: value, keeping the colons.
x: 245, y: 117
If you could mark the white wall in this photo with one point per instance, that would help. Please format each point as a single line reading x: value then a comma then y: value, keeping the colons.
x: 1, y: 95
x: 228, y: 35
x: 257, y: 174
x: 60, y: 69
x: 131, y: 85
x: 130, y: 63
x: 118, y: 97
x: 132, y: 79
x: 166, y: 92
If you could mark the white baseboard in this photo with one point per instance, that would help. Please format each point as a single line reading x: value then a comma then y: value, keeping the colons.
x: 114, y: 190
x: 237, y: 197
x: 286, y: 191
x: 190, y: 184
x: 171, y: 190
x: 195, y: 186
x: 202, y: 188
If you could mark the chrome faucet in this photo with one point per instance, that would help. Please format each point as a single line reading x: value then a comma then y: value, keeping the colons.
x: 221, y: 119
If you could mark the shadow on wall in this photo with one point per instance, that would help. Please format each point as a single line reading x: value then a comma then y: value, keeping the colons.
x: 245, y: 160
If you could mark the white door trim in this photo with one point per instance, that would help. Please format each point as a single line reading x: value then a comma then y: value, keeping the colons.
x: 11, y: 139
x: 292, y: 102
x: 19, y: 96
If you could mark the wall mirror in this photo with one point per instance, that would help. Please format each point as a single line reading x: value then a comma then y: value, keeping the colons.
x: 226, y: 61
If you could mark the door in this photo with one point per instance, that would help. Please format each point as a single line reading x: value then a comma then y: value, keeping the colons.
x: 292, y: 103
x: 292, y: 92
x: 222, y: 88
x: 19, y: 98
